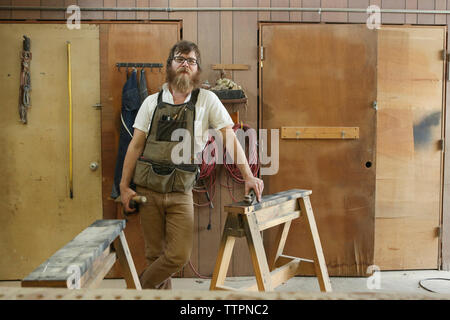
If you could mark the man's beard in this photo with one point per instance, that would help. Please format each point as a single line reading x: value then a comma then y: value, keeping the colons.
x: 181, y: 80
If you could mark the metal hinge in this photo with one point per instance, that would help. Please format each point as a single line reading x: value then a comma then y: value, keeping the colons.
x: 438, y: 232
x: 442, y: 144
x: 97, y: 106
x: 375, y: 105
x: 261, y: 53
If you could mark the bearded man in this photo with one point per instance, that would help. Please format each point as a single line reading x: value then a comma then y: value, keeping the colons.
x: 167, y: 218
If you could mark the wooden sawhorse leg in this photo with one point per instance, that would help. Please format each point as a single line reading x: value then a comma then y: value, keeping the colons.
x: 319, y: 260
x: 126, y: 262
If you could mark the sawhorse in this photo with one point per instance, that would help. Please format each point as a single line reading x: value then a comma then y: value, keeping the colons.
x: 249, y: 220
x: 84, y: 261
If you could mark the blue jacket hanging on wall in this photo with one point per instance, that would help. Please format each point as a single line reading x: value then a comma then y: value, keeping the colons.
x: 131, y: 102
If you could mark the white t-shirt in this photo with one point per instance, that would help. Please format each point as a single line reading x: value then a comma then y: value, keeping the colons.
x: 210, y: 113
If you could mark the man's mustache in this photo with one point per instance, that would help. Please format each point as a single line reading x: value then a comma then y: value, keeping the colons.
x: 183, y: 69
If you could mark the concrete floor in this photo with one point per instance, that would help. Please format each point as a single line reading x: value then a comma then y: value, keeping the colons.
x: 382, y: 282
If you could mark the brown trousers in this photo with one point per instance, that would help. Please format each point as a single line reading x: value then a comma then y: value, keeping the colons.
x: 167, y: 221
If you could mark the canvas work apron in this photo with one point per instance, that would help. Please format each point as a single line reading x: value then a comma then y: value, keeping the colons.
x: 155, y: 168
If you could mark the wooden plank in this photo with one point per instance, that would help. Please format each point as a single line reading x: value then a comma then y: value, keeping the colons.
x: 82, y: 251
x: 223, y: 258
x: 230, y: 67
x: 280, y: 240
x: 319, y: 259
x: 410, y: 123
x: 318, y: 92
x: 284, y: 259
x: 244, y: 25
x: 319, y: 133
x: 278, y: 220
x: 273, y: 212
x: 100, y: 272
x: 96, y: 265
x: 126, y: 263
x: 257, y: 253
x: 208, y: 240
x: 267, y: 201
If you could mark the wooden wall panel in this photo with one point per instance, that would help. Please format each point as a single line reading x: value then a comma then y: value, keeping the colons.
x: 25, y: 14
x: 343, y: 187
x: 208, y: 240
x: 409, y: 160
x: 440, y: 18
x: 334, y: 16
x: 52, y: 14
x: 357, y: 17
x: 5, y: 14
x: 189, y: 18
x: 393, y: 18
x: 126, y: 42
x: 411, y: 18
x: 294, y: 15
x: 142, y: 4
x: 425, y: 18
x: 279, y: 15
x: 264, y: 15
x: 124, y: 15
x: 311, y: 16
x: 245, y: 52
x: 38, y: 216
x: 110, y: 15
x: 445, y: 236
x: 159, y: 4
x: 92, y: 15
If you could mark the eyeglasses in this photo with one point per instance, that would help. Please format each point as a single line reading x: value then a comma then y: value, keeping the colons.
x: 181, y: 60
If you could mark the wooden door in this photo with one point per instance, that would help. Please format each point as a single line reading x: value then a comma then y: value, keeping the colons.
x: 324, y: 76
x: 128, y: 42
x: 411, y: 69
x: 37, y: 215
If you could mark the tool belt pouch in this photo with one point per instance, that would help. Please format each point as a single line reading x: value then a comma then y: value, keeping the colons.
x: 164, y: 179
x: 167, y: 127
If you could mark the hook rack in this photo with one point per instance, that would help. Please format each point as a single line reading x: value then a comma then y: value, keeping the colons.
x: 139, y: 65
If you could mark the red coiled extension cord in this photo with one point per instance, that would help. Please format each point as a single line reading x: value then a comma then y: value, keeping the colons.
x: 252, y: 159
x: 207, y: 172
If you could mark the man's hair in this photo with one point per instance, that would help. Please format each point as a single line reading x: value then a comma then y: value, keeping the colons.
x: 183, y: 47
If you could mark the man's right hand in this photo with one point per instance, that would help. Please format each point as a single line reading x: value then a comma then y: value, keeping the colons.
x: 126, y: 193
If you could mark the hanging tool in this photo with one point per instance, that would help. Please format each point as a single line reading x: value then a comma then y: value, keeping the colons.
x: 25, y: 80
x: 133, y: 204
x: 69, y: 82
